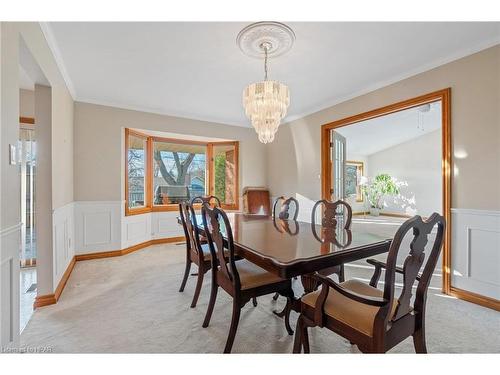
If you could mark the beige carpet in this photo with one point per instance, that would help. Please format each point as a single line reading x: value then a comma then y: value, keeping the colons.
x: 131, y: 304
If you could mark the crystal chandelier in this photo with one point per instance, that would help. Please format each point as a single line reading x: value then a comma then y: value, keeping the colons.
x: 266, y: 102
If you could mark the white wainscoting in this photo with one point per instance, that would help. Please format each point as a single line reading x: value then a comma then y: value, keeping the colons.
x: 136, y: 229
x: 103, y: 226
x: 475, y: 256
x: 63, y: 235
x: 98, y: 226
x: 9, y: 285
x: 164, y: 225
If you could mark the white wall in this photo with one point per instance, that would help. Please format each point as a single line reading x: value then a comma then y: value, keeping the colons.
x: 417, y: 164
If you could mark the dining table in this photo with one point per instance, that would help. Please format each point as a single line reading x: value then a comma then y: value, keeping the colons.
x: 290, y: 248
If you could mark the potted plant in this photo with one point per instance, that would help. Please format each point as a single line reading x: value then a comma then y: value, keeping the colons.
x: 375, y: 190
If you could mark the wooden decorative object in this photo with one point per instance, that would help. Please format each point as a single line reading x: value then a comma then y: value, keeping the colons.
x: 244, y: 285
x: 256, y: 201
x: 389, y: 318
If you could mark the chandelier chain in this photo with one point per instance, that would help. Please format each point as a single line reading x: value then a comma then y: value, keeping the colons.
x: 265, y: 63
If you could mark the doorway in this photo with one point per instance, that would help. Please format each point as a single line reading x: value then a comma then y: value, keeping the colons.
x: 28, y: 248
x: 332, y: 170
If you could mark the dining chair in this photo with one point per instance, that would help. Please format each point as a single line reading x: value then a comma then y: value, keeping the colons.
x: 196, y: 251
x: 330, y: 221
x: 284, y: 209
x: 377, y: 320
x: 242, y: 280
x: 284, y: 214
x: 210, y: 199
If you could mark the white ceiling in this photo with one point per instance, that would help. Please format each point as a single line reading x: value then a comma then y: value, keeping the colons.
x: 30, y: 72
x: 371, y: 136
x: 195, y: 69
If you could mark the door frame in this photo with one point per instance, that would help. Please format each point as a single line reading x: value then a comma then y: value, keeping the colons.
x: 444, y: 96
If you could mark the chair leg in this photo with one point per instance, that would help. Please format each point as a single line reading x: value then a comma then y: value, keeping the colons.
x: 419, y: 341
x: 276, y: 296
x: 211, y: 304
x: 305, y: 339
x: 254, y: 301
x: 234, y: 326
x: 288, y: 308
x: 297, y: 342
x: 186, y: 274
x: 199, y: 284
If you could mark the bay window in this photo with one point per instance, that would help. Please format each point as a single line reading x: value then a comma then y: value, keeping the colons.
x: 161, y: 172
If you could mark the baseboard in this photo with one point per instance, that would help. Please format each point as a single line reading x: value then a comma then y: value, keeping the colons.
x: 475, y: 298
x: 46, y: 299
x: 50, y: 299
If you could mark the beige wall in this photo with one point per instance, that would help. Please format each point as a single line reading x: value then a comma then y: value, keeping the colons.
x: 416, y: 164
x: 43, y: 189
x: 59, y: 158
x: 294, y: 162
x: 26, y: 103
x: 99, y: 147
x: 62, y: 120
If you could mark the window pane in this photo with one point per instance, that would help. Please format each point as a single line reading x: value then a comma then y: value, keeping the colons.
x: 225, y: 173
x: 136, y: 171
x: 179, y: 172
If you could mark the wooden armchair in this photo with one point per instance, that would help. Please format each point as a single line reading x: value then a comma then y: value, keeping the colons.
x: 373, y: 319
x: 196, y: 251
x: 284, y: 213
x: 242, y: 280
x: 330, y: 220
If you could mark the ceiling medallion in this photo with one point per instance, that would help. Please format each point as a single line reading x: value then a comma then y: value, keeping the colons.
x: 266, y: 102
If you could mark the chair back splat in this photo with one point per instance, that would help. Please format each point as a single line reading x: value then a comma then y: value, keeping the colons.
x: 413, y: 262
x: 212, y: 200
x: 284, y: 213
x: 330, y: 213
x: 212, y: 220
x: 189, y: 223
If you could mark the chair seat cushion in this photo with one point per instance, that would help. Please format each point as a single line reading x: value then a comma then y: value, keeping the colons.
x: 252, y: 276
x: 356, y: 315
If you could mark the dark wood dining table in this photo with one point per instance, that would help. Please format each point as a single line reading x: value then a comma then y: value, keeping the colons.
x: 291, y: 248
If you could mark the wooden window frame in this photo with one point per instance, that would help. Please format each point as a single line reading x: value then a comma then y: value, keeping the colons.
x: 211, y: 172
x: 444, y: 96
x: 148, y: 194
x: 147, y: 171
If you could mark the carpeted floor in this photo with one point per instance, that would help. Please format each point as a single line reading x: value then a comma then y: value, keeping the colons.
x: 131, y: 304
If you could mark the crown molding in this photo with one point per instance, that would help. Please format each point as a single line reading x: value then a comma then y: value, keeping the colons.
x: 422, y: 69
x: 181, y: 115
x: 51, y: 41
